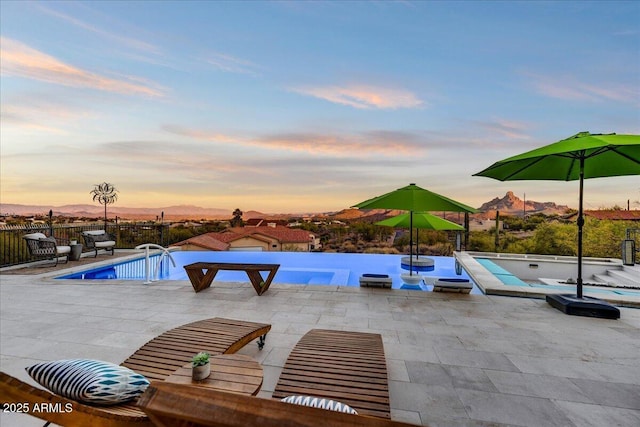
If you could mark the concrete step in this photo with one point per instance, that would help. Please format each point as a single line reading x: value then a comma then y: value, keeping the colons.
x: 619, y: 277
x: 633, y: 270
x: 625, y: 276
x: 602, y: 278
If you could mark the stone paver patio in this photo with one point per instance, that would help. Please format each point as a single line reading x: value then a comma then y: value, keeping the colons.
x: 453, y: 360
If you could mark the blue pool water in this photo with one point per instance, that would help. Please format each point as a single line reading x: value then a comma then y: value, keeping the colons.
x: 295, y: 267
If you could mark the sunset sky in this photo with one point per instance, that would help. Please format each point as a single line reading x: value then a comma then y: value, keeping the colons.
x: 307, y: 106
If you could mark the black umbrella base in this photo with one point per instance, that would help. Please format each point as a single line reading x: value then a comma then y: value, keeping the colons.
x: 585, y: 306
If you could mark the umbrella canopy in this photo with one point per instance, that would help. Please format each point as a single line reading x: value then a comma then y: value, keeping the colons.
x: 581, y: 156
x: 413, y: 198
x: 420, y: 220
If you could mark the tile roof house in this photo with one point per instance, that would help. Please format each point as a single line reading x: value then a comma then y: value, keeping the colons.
x: 261, y: 222
x: 617, y: 214
x: 260, y: 238
x: 610, y: 214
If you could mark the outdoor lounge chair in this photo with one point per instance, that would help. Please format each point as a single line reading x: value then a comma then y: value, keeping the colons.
x: 369, y: 280
x: 156, y: 360
x: 185, y: 406
x: 447, y: 284
x: 43, y: 247
x: 99, y: 239
x: 348, y: 367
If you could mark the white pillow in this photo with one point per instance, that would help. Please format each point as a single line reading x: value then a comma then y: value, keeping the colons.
x: 316, y: 402
x: 89, y: 381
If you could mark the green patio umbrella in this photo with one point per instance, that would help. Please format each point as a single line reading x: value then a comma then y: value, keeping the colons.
x: 422, y: 220
x: 414, y: 199
x: 581, y: 156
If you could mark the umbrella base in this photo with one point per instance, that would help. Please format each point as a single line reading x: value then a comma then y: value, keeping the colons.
x: 418, y: 263
x: 411, y: 279
x: 585, y: 306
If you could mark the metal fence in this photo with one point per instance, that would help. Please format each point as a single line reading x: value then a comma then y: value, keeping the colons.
x: 13, y: 248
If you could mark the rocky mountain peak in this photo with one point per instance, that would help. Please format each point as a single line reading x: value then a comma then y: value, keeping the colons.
x: 512, y: 204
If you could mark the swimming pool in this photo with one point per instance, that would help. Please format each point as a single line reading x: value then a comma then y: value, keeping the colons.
x: 308, y: 268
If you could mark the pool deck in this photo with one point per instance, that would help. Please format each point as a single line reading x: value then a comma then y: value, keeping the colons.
x: 453, y: 359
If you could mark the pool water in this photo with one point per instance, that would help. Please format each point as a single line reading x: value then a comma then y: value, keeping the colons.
x: 308, y: 268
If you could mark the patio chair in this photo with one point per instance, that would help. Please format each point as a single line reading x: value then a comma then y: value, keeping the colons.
x: 343, y: 366
x: 185, y: 406
x: 99, y: 239
x: 43, y: 247
x: 156, y: 360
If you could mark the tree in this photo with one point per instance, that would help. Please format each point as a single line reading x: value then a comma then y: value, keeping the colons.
x: 236, y: 221
x: 105, y: 194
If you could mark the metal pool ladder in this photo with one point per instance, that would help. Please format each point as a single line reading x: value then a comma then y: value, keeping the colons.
x: 147, y: 263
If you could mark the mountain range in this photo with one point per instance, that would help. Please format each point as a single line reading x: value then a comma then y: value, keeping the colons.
x: 510, y: 204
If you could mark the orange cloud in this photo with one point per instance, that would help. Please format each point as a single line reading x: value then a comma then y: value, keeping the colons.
x: 200, y: 134
x: 364, y: 97
x: 376, y: 142
x: 20, y: 60
x: 381, y: 142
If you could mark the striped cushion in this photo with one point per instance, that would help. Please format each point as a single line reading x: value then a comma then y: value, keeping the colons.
x: 89, y: 381
x: 316, y: 402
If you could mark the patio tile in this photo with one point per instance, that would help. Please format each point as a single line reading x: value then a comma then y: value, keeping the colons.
x: 585, y: 415
x: 576, y: 368
x: 449, y: 376
x: 538, y: 386
x: 610, y: 394
x: 512, y: 409
x: 475, y: 359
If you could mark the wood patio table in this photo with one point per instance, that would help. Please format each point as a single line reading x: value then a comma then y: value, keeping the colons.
x: 235, y: 373
x: 201, y: 274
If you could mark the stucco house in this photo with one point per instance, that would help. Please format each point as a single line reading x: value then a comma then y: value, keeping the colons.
x: 260, y: 238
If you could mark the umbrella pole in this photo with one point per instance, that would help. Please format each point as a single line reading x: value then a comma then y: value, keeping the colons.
x: 580, y: 224
x: 410, y: 243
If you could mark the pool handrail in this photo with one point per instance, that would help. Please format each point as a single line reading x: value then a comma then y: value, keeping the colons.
x: 147, y: 267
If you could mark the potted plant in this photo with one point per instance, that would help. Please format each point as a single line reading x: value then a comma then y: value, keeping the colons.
x: 201, y: 366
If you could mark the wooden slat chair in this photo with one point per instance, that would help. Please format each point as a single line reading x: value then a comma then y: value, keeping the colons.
x: 156, y: 360
x: 349, y: 367
x: 178, y: 405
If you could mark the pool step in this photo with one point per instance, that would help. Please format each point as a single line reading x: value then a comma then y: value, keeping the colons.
x: 627, y: 276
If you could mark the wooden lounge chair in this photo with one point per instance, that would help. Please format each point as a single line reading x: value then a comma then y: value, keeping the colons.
x: 349, y: 367
x: 156, y: 360
x: 172, y: 405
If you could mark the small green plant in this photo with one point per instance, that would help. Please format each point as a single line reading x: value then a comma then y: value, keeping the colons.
x: 200, y: 359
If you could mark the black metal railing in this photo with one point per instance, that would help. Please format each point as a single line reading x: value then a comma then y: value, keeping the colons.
x: 13, y: 247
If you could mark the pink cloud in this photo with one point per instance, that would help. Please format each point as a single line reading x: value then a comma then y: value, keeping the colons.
x: 364, y: 97
x: 20, y: 60
x: 377, y: 142
x: 570, y: 88
x: 506, y: 128
x: 231, y: 64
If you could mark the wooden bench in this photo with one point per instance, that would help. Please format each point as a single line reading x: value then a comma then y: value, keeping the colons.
x: 171, y: 405
x: 349, y: 367
x: 201, y: 274
x: 156, y: 360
